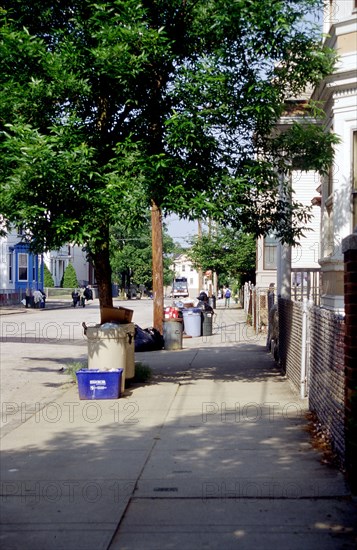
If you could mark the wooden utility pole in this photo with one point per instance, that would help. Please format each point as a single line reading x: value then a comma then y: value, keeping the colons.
x: 157, y: 267
x: 200, y: 274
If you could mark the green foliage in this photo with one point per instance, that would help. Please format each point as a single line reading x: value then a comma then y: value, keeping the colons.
x: 132, y: 254
x: 69, y: 279
x: 228, y: 252
x: 48, y: 279
x: 72, y: 368
x: 143, y: 373
x: 107, y: 106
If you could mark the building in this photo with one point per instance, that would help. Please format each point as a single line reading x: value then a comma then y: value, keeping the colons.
x: 58, y: 260
x: 20, y: 269
x: 338, y: 95
x: 334, y: 198
x: 305, y: 256
x: 183, y: 267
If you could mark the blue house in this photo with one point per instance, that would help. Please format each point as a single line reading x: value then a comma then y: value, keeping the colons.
x: 21, y: 269
x: 29, y: 269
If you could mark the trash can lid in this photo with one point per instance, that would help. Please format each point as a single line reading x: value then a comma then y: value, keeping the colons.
x: 192, y: 310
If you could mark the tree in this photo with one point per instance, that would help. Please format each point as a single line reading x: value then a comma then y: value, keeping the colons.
x: 131, y: 257
x: 48, y: 281
x: 110, y: 106
x: 229, y: 252
x: 69, y: 279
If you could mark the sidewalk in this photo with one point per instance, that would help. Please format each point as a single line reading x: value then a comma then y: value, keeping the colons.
x: 19, y: 308
x: 213, y: 453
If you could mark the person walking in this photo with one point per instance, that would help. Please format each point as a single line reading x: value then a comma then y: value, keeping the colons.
x: 227, y: 296
x: 75, y: 297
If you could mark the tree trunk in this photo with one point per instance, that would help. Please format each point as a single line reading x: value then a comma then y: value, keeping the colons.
x: 103, y: 275
x: 157, y: 267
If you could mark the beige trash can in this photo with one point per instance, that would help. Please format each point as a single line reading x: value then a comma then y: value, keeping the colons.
x: 111, y: 346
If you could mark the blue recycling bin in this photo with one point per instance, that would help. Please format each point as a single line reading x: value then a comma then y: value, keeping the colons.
x: 99, y: 384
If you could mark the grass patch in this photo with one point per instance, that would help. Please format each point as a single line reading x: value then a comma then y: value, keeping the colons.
x: 72, y: 368
x: 143, y: 373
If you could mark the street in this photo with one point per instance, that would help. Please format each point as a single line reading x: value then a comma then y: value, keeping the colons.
x: 36, y: 346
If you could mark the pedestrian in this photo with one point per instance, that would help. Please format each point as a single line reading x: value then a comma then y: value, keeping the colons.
x: 43, y: 299
x: 82, y: 298
x: 88, y: 293
x: 227, y: 296
x: 37, y: 297
x: 28, y: 297
x: 75, y: 297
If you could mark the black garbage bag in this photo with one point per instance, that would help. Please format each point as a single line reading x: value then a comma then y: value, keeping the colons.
x: 205, y: 307
x: 148, y: 339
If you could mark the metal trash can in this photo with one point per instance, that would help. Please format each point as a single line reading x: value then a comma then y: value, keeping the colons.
x: 212, y: 302
x: 207, y: 323
x: 172, y: 334
x: 192, y: 320
x: 109, y: 348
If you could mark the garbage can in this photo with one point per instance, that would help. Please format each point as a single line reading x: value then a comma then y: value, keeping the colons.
x: 172, y: 334
x: 207, y: 322
x: 192, y: 320
x: 212, y: 302
x: 109, y: 348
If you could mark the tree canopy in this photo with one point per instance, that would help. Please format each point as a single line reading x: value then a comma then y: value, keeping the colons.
x: 131, y: 256
x: 228, y: 252
x: 108, y: 107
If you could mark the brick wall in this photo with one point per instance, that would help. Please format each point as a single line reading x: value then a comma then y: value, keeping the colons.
x: 326, y: 383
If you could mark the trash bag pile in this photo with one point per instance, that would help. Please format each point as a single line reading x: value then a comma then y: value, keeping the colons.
x: 148, y: 339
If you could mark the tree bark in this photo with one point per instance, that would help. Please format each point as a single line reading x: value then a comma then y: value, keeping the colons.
x: 103, y: 275
x: 157, y: 267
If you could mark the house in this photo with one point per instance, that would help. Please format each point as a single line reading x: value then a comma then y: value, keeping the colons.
x: 183, y: 267
x: 20, y: 269
x: 338, y: 95
x: 58, y: 260
x: 333, y: 198
x: 305, y: 255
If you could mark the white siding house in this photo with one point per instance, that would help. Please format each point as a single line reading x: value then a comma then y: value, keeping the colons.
x: 304, y: 256
x: 338, y: 94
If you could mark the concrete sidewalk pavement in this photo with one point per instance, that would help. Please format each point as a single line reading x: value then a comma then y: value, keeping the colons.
x: 213, y: 453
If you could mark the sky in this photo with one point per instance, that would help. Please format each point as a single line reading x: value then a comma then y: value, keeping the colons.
x: 180, y: 230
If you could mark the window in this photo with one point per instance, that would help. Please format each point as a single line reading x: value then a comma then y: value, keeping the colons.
x: 354, y: 178
x: 270, y: 247
x: 34, y: 262
x: 183, y: 268
x: 10, y: 266
x: 23, y: 267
